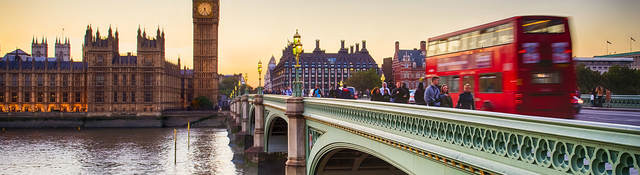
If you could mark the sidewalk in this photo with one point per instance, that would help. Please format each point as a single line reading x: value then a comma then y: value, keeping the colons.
x: 612, y: 109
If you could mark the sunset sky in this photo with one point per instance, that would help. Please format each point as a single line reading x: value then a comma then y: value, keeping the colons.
x: 252, y: 30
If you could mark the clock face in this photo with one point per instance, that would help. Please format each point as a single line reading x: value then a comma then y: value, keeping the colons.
x: 204, y: 9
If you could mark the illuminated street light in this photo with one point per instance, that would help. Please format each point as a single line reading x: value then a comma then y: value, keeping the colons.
x: 297, y: 50
x: 259, y: 77
x: 246, y: 81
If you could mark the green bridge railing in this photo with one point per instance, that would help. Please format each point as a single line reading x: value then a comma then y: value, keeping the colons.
x: 499, y: 143
x: 617, y: 101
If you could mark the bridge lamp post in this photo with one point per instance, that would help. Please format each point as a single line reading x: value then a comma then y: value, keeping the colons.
x: 246, y: 81
x: 297, y: 50
x: 259, y: 77
x: 235, y: 90
x: 239, y: 87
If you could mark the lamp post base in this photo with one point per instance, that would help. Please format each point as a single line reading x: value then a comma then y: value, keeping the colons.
x: 297, y: 89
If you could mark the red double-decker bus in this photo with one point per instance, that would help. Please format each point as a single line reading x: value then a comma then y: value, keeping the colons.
x: 517, y: 65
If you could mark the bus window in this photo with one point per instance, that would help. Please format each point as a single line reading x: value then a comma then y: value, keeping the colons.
x: 490, y: 82
x: 545, y: 78
x: 432, y: 48
x: 473, y: 41
x: 454, y: 44
x: 442, y: 47
x: 505, y: 33
x: 543, y: 26
x: 488, y: 37
x: 454, y: 84
x: 468, y: 80
x: 464, y: 41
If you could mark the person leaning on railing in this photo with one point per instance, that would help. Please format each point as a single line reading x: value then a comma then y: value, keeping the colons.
x: 445, y: 98
x: 465, y: 100
x: 418, y: 94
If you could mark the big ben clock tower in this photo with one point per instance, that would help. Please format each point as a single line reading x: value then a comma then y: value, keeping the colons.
x: 205, y: 48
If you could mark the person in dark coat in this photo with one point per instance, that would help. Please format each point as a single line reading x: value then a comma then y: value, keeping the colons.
x: 334, y: 93
x: 385, y: 92
x: 375, y: 95
x: 445, y: 98
x: 400, y: 94
x: 418, y: 94
x: 465, y: 101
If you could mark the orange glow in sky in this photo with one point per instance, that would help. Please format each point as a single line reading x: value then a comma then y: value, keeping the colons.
x: 252, y: 30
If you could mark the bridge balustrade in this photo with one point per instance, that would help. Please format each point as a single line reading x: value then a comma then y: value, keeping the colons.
x: 478, y: 141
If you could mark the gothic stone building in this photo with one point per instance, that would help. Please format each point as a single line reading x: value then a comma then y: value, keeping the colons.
x: 326, y: 70
x: 37, y: 82
x: 142, y: 84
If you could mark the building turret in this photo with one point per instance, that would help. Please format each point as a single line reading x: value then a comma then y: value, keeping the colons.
x: 39, y: 49
x: 63, y: 49
x: 364, y: 46
x: 151, y: 44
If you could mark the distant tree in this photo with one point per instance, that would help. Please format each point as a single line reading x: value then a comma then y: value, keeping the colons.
x: 622, y: 80
x: 227, y: 84
x: 201, y: 103
x: 587, y: 78
x: 364, y: 80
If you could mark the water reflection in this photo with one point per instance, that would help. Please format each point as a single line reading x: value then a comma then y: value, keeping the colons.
x: 116, y: 151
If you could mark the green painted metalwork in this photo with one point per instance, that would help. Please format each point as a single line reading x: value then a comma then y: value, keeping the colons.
x: 541, y: 145
x: 335, y: 138
x: 617, y: 101
x: 531, y: 144
x: 312, y: 136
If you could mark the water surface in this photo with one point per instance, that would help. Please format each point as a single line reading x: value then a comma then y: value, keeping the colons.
x: 117, y: 151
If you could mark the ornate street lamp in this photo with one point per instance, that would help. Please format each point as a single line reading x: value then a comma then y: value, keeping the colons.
x: 297, y: 50
x: 260, y: 77
x: 246, y: 80
x: 239, y: 87
x: 382, y: 78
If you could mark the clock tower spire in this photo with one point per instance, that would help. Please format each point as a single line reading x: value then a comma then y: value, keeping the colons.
x: 205, y: 48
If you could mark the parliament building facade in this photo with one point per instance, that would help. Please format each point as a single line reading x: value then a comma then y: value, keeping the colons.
x: 104, y: 83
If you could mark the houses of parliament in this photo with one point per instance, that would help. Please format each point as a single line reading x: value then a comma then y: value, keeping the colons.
x: 105, y: 82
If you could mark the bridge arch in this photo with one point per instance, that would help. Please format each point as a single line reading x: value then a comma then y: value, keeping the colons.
x: 333, y: 138
x: 276, y: 128
x: 252, y: 119
x: 346, y: 158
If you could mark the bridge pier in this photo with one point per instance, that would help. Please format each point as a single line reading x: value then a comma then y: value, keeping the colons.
x: 244, y: 118
x: 258, y: 136
x: 296, y: 163
x: 244, y: 101
x: 234, y: 109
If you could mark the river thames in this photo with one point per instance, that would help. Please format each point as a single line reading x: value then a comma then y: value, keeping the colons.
x: 118, y: 151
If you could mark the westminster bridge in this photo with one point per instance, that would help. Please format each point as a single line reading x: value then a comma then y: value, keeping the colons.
x: 337, y: 136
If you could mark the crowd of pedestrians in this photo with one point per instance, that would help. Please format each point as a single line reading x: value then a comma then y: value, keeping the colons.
x: 434, y: 95
x: 338, y: 92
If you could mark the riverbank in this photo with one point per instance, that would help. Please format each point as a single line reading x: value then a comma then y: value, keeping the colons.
x: 74, y: 120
